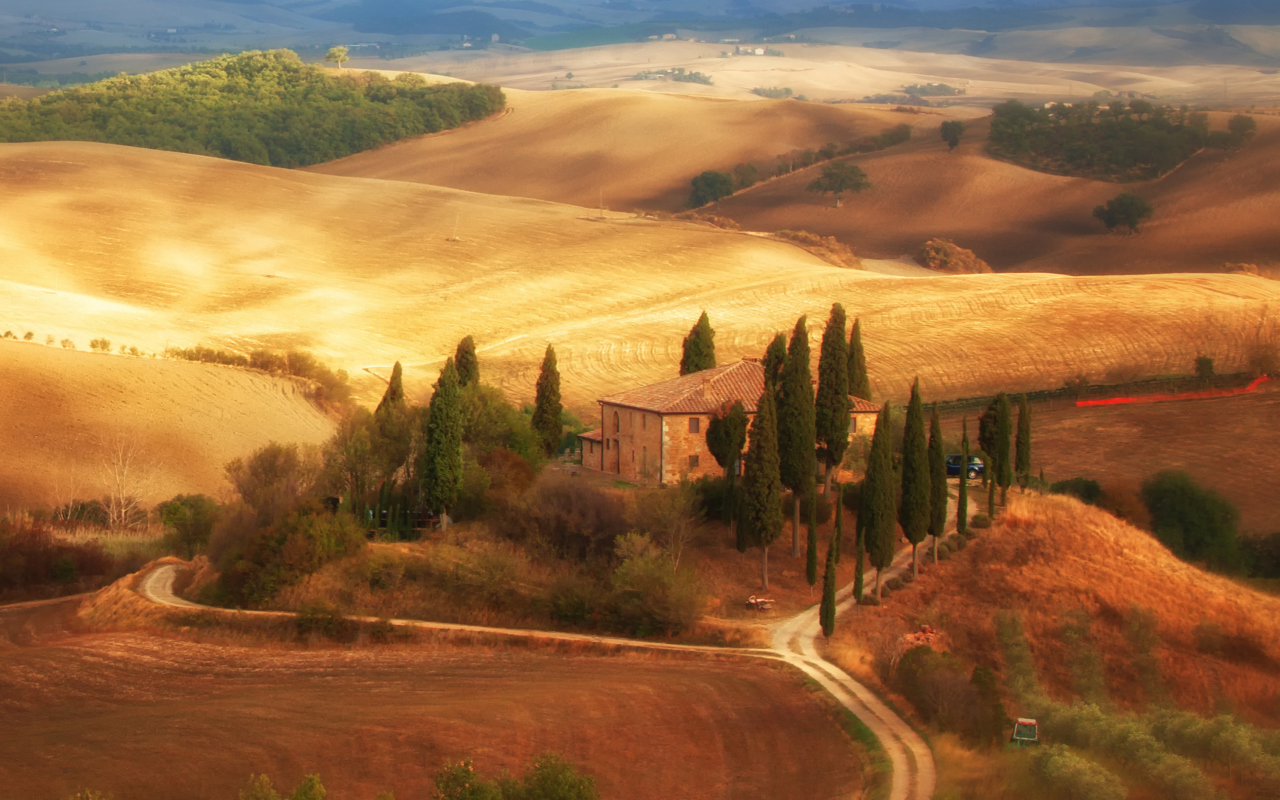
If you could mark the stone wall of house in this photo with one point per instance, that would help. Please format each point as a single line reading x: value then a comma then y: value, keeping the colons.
x: 684, y: 450
x: 592, y: 453
x: 633, y: 443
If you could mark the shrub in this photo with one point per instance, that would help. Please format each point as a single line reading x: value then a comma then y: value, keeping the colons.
x: 67, y: 344
x: 570, y: 518
x: 1083, y: 489
x: 28, y: 336
x: 869, y: 599
x: 1074, y: 777
x: 1193, y: 522
x: 190, y: 520
x: 894, y: 584
x: 320, y: 619
x: 649, y: 594
x: 980, y: 521
x: 31, y: 556
x: 1125, y: 209
x: 267, y: 558
x: 100, y: 345
x: 943, y: 255
x: 773, y: 93
x: 937, y: 686
x: 709, y: 187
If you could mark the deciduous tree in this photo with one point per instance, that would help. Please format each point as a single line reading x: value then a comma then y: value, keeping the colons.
x: 337, y: 55
x: 859, y: 382
x: 796, y: 436
x: 831, y: 411
x: 547, y: 410
x: 709, y: 187
x: 840, y: 178
x: 914, y: 512
x: 761, y: 520
x: 952, y: 130
x: 1125, y: 209
x: 726, y: 436
x: 699, y: 347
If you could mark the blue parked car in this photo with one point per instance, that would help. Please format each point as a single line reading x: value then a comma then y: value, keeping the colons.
x: 976, y: 467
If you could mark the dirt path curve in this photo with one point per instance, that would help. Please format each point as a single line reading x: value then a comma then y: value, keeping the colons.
x: 914, y: 774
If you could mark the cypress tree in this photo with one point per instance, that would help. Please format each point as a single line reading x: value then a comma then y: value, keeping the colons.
x: 726, y: 436
x: 699, y: 347
x: 761, y: 502
x: 442, y: 459
x: 937, y: 482
x: 393, y: 427
x: 859, y: 382
x: 962, y: 501
x: 775, y: 358
x: 915, y: 511
x: 466, y: 362
x: 811, y: 554
x: 837, y: 537
x: 860, y: 566
x: 1004, y: 435
x: 827, y: 613
x: 991, y: 499
x: 797, y: 450
x: 547, y: 411
x: 831, y: 411
x: 1022, y: 445
x: 877, y: 506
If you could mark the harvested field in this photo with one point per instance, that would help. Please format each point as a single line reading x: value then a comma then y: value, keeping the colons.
x: 161, y: 248
x: 1213, y: 210
x: 1226, y: 444
x: 65, y: 411
x: 167, y: 717
x: 1049, y: 556
x: 626, y: 150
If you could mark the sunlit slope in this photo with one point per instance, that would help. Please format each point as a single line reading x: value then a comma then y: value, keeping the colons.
x: 1212, y: 210
x: 150, y: 248
x: 628, y: 149
x: 65, y: 412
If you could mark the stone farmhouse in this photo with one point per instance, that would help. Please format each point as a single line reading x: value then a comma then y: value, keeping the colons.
x: 658, y: 434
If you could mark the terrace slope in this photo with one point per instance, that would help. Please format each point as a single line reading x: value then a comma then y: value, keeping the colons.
x: 153, y: 248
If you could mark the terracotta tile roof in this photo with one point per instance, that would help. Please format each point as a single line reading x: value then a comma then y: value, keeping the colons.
x: 699, y: 393
x: 595, y: 436
x: 859, y: 406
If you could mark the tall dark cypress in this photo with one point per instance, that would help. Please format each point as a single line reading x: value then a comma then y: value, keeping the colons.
x: 775, y: 359
x: 1004, y: 435
x: 877, y: 509
x: 811, y: 553
x: 937, y: 482
x: 914, y: 512
x: 859, y: 382
x: 442, y: 460
x: 827, y: 613
x: 393, y: 428
x: 962, y: 497
x: 860, y: 548
x: 761, y: 500
x: 1022, y: 444
x: 467, y: 363
x: 699, y: 347
x: 547, y: 421
x: 831, y: 407
x: 797, y: 449
x: 837, y: 536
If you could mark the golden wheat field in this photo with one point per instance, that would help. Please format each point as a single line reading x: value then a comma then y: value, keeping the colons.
x: 159, y: 249
x: 625, y: 149
x: 67, y: 414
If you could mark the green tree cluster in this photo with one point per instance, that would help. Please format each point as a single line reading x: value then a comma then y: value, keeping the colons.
x: 1196, y: 523
x: 951, y: 131
x: 259, y: 107
x: 1133, y: 141
x: 1127, y: 209
x: 709, y: 187
x: 839, y: 178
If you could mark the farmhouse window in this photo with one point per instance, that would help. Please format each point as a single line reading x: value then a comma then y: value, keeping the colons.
x: 644, y: 422
x: 617, y: 422
x: 693, y: 461
x: 644, y: 459
x: 695, y: 425
x: 853, y: 424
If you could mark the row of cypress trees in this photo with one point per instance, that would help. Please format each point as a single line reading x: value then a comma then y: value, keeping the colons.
x: 793, y: 430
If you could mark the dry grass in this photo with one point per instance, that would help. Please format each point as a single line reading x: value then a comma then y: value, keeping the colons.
x: 64, y: 411
x: 1052, y: 555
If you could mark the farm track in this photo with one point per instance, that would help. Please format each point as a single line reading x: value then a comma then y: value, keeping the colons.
x: 914, y: 774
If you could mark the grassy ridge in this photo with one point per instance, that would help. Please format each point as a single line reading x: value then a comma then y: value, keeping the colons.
x: 261, y: 107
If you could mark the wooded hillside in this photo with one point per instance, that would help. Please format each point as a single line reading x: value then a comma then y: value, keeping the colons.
x: 260, y: 107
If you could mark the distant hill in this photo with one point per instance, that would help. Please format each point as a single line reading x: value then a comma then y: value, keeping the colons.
x: 263, y: 108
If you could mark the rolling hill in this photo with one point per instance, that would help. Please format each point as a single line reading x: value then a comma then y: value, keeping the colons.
x: 154, y: 249
x: 64, y: 413
x: 627, y: 149
x: 1214, y: 209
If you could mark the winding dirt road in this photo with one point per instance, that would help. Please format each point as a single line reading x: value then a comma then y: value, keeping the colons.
x: 794, y: 642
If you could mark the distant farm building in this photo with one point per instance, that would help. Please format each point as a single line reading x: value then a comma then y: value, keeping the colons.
x: 658, y: 433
